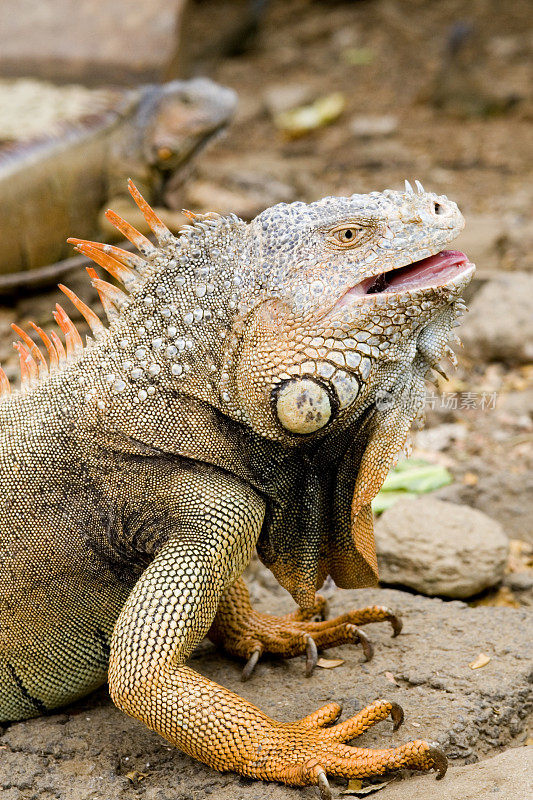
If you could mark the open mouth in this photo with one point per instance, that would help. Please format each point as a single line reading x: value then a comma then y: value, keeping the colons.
x: 434, y: 271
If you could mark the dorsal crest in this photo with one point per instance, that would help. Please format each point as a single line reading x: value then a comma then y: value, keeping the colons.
x: 125, y: 267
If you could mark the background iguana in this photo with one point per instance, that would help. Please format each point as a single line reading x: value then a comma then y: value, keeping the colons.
x: 236, y: 400
x: 63, y: 182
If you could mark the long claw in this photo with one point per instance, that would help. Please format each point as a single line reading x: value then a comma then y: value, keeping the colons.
x: 251, y: 664
x: 323, y: 786
x: 366, y: 644
x: 396, y: 622
x: 397, y: 715
x: 440, y: 762
x: 311, y: 656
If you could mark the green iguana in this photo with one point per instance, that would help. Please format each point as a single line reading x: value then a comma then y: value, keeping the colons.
x: 252, y: 390
x: 53, y: 186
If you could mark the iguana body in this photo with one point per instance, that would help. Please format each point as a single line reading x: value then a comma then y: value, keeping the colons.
x: 235, y: 401
x: 62, y: 183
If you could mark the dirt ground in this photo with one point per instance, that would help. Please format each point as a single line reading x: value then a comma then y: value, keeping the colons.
x: 462, y: 124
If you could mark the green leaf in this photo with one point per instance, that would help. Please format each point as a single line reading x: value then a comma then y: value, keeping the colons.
x: 409, y: 479
x: 358, y: 56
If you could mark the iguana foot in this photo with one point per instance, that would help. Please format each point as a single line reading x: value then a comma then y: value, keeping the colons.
x: 317, y: 750
x: 247, y: 633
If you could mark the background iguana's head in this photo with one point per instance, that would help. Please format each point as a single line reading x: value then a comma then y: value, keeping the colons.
x: 348, y: 294
x: 178, y: 118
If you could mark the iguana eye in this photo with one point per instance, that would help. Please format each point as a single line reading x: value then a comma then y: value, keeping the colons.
x: 346, y: 236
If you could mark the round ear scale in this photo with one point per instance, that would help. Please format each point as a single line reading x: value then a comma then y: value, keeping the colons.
x: 303, y: 405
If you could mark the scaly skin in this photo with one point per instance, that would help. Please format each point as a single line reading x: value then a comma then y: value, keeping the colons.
x: 252, y: 390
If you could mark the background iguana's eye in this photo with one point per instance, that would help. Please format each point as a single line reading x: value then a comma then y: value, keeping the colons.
x: 164, y: 153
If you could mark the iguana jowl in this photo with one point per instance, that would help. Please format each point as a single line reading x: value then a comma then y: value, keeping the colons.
x: 236, y: 400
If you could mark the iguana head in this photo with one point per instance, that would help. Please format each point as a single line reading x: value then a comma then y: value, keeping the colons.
x: 346, y: 296
x: 176, y: 119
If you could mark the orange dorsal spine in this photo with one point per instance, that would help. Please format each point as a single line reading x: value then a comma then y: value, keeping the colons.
x: 123, y: 265
x: 162, y: 233
x: 92, y: 319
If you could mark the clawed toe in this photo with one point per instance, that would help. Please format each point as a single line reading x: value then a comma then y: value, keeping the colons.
x: 311, y: 656
x: 440, y: 762
x: 251, y: 664
x: 246, y: 633
x: 366, y: 644
x: 397, y: 715
x: 396, y: 622
x: 323, y: 786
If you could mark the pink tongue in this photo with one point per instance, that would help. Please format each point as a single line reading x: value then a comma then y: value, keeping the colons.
x: 441, y: 265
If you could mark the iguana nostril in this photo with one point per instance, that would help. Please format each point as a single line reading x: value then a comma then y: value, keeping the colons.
x: 303, y: 406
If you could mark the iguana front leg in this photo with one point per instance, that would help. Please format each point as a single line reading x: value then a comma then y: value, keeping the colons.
x: 244, y: 632
x: 169, y: 611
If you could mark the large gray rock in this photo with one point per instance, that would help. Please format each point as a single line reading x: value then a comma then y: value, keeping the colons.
x: 499, y: 326
x: 440, y: 548
x: 92, y: 751
x: 94, y: 41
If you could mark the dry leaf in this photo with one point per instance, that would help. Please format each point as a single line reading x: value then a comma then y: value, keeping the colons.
x: 481, y: 661
x: 391, y: 679
x: 329, y: 663
x: 363, y: 791
x: 304, y: 119
x: 136, y: 777
x: 470, y: 479
x: 354, y: 784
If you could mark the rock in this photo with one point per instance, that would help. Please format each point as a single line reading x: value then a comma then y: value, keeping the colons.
x: 371, y: 126
x: 519, y: 581
x: 504, y: 494
x: 440, y: 548
x: 87, y: 751
x: 91, y: 42
x: 505, y: 777
x: 499, y: 326
x: 6, y: 333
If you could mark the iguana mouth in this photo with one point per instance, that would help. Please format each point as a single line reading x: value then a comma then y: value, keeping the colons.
x: 434, y: 271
